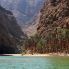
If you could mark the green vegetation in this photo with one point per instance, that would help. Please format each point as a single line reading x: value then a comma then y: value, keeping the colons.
x: 56, y: 41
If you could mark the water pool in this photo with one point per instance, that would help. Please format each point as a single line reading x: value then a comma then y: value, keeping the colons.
x: 24, y: 62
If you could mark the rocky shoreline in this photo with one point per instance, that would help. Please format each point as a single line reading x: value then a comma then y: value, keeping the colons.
x: 50, y: 54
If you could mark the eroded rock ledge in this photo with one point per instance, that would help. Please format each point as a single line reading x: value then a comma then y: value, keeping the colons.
x: 55, y: 13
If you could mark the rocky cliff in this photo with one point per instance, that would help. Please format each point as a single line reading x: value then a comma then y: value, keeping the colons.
x: 10, y: 32
x: 54, y: 25
x: 31, y: 28
x: 55, y: 13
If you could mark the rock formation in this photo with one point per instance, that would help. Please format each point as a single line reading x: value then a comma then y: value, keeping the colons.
x: 55, y: 13
x: 54, y: 25
x: 10, y: 32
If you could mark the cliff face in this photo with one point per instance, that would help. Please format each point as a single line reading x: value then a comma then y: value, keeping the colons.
x: 31, y: 29
x: 54, y: 25
x: 55, y: 13
x: 24, y: 10
x: 10, y: 32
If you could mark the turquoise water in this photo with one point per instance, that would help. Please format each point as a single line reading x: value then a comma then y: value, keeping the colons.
x: 11, y: 62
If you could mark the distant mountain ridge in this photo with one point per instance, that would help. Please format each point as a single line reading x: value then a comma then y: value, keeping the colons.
x: 23, y: 10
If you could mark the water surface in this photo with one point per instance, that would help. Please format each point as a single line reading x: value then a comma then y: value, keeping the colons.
x: 54, y: 62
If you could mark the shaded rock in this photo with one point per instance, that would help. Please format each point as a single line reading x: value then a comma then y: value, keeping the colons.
x: 10, y: 32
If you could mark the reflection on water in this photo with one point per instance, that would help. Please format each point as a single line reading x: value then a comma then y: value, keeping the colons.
x: 11, y: 62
